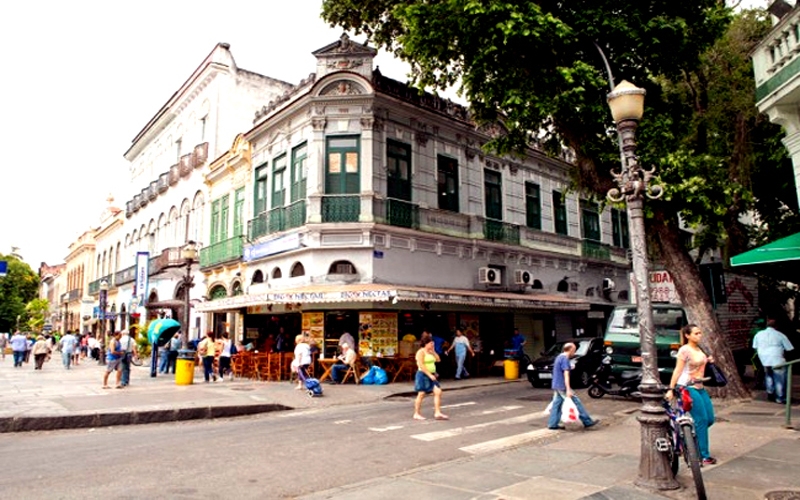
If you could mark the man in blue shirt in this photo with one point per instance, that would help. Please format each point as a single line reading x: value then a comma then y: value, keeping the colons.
x: 19, y: 344
x: 68, y: 344
x: 517, y: 341
x: 770, y: 344
x: 562, y: 390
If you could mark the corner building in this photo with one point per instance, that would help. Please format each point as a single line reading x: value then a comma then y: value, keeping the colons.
x: 357, y: 204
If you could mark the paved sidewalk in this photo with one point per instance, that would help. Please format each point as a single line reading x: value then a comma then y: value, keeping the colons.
x: 757, y: 455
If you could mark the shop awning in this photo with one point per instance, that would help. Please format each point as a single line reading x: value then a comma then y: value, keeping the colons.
x: 780, y: 259
x: 320, y: 294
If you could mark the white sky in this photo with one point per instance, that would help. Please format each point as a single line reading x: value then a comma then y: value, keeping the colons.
x: 81, y: 78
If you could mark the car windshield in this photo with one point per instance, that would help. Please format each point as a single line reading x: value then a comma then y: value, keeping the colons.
x: 667, y: 320
x: 582, y: 348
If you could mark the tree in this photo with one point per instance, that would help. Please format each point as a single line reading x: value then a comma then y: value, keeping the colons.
x: 17, y: 288
x: 534, y: 65
x: 37, y: 311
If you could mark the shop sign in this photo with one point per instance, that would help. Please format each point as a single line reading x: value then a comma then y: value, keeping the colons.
x: 272, y: 247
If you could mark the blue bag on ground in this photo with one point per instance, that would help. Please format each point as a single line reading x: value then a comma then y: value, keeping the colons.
x: 313, y: 387
x: 369, y: 378
x: 381, y: 377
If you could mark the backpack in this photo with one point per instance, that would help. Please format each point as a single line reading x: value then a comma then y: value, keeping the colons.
x: 234, y: 350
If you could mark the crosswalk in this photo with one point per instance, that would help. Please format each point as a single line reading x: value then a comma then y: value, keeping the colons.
x: 507, y: 425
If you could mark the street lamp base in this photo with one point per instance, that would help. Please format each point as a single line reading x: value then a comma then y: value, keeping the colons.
x: 655, y: 472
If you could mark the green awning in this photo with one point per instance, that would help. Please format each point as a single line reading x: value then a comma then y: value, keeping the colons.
x: 780, y: 259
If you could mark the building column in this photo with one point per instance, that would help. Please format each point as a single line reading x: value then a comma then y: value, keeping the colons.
x: 792, y: 143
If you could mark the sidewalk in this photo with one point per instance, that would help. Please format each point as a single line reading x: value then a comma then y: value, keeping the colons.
x: 757, y: 455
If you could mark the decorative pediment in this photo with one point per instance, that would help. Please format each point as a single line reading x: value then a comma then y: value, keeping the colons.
x: 343, y: 87
x: 345, y: 46
x: 345, y: 55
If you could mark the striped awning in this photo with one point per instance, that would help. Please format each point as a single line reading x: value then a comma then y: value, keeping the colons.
x: 392, y: 294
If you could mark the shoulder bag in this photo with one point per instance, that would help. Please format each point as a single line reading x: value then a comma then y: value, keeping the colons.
x: 714, y: 375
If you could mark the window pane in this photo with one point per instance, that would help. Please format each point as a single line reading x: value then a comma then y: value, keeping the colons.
x: 351, y: 162
x: 334, y: 163
x: 348, y: 142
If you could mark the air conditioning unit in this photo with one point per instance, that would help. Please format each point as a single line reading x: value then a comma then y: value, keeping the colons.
x: 488, y: 275
x: 522, y: 277
x: 609, y: 285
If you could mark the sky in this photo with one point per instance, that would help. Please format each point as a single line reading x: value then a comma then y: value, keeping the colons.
x: 82, y: 78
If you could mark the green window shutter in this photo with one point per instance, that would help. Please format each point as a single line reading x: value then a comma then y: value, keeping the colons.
x: 398, y: 162
x: 619, y: 228
x: 533, y: 206
x: 238, y: 213
x: 447, y: 183
x: 493, y: 194
x: 559, y: 213
x: 260, y: 190
x: 299, y: 172
x: 278, y: 181
x: 342, y: 169
x: 215, y: 223
x: 223, y: 217
x: 590, y: 220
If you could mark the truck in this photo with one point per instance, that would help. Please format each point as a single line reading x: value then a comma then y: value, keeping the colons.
x: 735, y: 300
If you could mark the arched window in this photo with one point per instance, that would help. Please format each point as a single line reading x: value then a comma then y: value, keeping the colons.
x: 236, y: 289
x: 622, y: 296
x: 342, y: 267
x: 161, y: 241
x: 537, y: 285
x: 297, y: 270
x: 172, y: 232
x: 183, y: 234
x: 590, y: 291
x: 197, y: 217
x: 258, y: 277
x: 276, y: 273
x: 563, y: 286
x: 218, y: 292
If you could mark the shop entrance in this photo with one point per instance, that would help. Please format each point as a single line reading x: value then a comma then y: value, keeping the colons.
x: 336, y: 323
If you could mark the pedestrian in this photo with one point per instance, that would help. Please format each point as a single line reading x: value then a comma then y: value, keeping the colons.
x: 690, y: 366
x: 94, y: 348
x: 302, y: 359
x: 28, y: 347
x: 174, y: 345
x: 517, y: 343
x: 40, y: 352
x: 462, y: 347
x: 84, y: 345
x: 127, y: 344
x: 163, y: 359
x: 113, y: 358
x: 426, y: 380
x: 225, y: 357
x: 19, y: 344
x: 68, y: 344
x: 207, y: 350
x: 76, y: 351
x: 563, y: 390
x: 3, y: 344
x: 770, y: 345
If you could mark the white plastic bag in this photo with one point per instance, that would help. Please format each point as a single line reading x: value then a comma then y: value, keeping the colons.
x: 549, y: 407
x: 569, y: 412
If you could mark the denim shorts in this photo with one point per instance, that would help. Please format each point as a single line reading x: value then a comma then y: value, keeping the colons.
x: 423, y: 383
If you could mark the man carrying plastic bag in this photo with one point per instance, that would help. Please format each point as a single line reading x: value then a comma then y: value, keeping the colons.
x: 566, y: 407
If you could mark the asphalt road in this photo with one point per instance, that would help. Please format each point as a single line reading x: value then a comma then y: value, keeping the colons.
x: 277, y: 455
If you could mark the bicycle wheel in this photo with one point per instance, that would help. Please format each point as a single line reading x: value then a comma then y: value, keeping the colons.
x: 693, y: 459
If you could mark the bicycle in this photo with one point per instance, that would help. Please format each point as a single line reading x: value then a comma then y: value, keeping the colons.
x: 682, y: 439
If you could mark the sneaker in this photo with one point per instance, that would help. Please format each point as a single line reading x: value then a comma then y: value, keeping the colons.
x: 592, y: 423
x: 559, y: 427
x: 709, y: 461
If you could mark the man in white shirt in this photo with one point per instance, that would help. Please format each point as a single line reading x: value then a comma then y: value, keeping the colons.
x: 770, y: 345
x: 346, y: 360
x: 68, y: 345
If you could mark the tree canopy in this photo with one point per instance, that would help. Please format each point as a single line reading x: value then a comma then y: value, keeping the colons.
x: 17, y: 288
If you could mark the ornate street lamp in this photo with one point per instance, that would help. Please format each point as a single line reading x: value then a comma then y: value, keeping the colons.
x: 189, y: 254
x: 103, y: 304
x: 627, y: 107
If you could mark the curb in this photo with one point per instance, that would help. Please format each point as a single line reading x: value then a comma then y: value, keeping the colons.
x: 136, y: 417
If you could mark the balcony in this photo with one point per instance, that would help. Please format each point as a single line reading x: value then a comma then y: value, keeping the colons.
x: 75, y: 294
x: 143, y: 197
x: 341, y: 208
x: 277, y: 219
x: 296, y: 214
x: 174, y: 175
x: 495, y: 230
x: 186, y: 164
x: 397, y: 212
x: 445, y: 222
x: 200, y: 154
x: 127, y: 275
x: 224, y: 251
x: 163, y: 182
x: 595, y: 250
x: 257, y: 226
x: 152, y: 191
x: 94, y: 286
x: 137, y: 202
x: 129, y: 208
x: 170, y: 257
x: 776, y: 61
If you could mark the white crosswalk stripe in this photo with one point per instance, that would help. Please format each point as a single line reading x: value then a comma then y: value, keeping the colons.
x: 460, y: 431
x: 507, y: 442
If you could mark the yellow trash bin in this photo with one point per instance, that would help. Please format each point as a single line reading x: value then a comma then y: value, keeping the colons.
x: 184, y: 369
x: 511, y: 367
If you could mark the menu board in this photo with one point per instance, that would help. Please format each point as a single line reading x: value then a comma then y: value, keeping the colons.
x: 314, y: 326
x: 377, y: 333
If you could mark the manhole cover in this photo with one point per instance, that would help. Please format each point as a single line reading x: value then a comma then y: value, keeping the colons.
x: 782, y: 495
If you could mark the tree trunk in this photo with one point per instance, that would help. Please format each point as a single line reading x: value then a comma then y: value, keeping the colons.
x: 695, y: 299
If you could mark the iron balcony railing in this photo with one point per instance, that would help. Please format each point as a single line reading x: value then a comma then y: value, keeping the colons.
x: 595, y: 250
x: 402, y: 213
x: 124, y: 276
x: 341, y: 208
x: 495, y: 230
x: 224, y: 251
x: 277, y: 220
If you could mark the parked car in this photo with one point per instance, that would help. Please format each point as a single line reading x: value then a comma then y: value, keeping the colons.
x: 588, y: 356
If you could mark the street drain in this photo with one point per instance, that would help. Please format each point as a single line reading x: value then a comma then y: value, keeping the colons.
x: 782, y: 495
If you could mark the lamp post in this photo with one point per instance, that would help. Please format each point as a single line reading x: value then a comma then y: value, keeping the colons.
x: 627, y: 107
x: 103, y: 304
x: 189, y: 254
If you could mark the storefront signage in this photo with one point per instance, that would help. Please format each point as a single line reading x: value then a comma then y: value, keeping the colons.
x: 662, y: 288
x: 271, y: 247
x: 140, y: 288
x: 295, y: 297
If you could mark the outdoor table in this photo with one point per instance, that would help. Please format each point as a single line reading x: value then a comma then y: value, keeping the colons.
x: 398, y: 367
x: 326, y: 365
